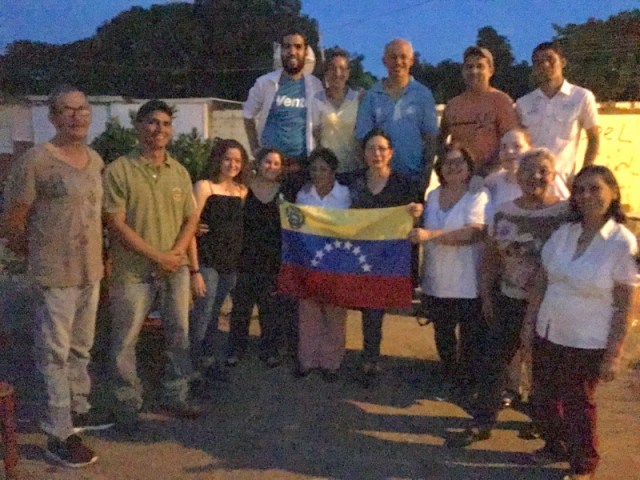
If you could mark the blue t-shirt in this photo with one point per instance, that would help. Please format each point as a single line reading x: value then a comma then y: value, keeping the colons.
x: 286, y: 123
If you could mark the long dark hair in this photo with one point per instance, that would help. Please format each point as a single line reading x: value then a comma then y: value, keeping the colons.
x: 218, y: 151
x: 607, y: 176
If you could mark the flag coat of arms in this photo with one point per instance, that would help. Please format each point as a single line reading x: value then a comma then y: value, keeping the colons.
x: 353, y: 258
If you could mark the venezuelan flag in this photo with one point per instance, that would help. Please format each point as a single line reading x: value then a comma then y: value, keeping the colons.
x: 357, y: 258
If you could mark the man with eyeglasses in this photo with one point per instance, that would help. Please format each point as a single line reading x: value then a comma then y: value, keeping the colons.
x: 53, y: 212
x: 478, y: 117
x: 557, y: 111
x: 405, y: 110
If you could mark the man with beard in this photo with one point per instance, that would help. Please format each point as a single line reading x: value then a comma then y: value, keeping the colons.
x: 277, y: 113
x: 557, y: 111
x: 53, y: 202
x: 479, y: 117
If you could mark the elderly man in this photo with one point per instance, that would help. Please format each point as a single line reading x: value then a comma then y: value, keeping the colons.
x: 151, y: 217
x: 405, y: 110
x: 479, y: 117
x: 53, y: 201
x: 557, y: 111
x: 277, y: 112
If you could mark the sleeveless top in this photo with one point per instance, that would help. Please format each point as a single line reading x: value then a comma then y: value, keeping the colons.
x: 261, y: 245
x: 220, y: 247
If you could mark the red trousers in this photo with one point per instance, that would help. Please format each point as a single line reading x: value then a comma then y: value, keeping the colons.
x: 564, y: 384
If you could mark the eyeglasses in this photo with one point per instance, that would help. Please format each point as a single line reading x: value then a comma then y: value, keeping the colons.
x: 83, y: 111
x: 377, y: 148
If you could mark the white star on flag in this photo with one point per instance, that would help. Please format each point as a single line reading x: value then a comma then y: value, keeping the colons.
x: 348, y: 245
x: 328, y: 247
x: 366, y: 267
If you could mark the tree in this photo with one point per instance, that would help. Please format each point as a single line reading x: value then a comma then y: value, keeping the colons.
x: 604, y: 55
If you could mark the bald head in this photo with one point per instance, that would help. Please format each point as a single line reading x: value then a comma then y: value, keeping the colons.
x: 398, y: 58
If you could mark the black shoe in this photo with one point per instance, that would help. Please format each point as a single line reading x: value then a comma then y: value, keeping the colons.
x: 70, y: 452
x: 530, y: 432
x: 330, y: 376
x: 214, y: 373
x: 299, y: 372
x: 549, y: 454
x: 272, y: 361
x: 232, y: 360
x: 469, y: 436
x: 86, y: 422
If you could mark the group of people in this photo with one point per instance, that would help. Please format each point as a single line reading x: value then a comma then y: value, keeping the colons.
x: 512, y: 259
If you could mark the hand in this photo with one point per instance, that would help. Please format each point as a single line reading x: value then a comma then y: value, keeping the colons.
x: 202, y: 229
x: 170, y: 261
x: 418, y: 235
x: 609, y: 368
x: 198, y: 286
x: 415, y: 209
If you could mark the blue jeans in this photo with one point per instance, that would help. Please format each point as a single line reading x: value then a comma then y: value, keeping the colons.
x: 64, y: 333
x: 204, y: 315
x: 130, y: 304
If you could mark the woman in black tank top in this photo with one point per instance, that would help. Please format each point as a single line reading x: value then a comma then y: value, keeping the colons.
x: 215, y: 253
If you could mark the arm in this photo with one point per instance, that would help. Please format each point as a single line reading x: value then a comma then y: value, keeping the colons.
x: 14, y: 223
x: 535, y: 297
x: 622, y: 295
x: 252, y: 134
x: 593, y: 145
x: 466, y: 235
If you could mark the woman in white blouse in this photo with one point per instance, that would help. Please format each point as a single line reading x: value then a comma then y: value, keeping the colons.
x: 578, y: 319
x: 454, y: 220
x: 321, y: 325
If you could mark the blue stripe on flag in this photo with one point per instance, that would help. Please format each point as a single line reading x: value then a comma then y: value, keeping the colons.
x: 364, y: 257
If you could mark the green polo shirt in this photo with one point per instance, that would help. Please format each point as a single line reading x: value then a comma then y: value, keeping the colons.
x: 156, y: 202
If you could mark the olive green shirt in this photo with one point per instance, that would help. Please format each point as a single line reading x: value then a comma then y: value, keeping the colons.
x: 156, y: 201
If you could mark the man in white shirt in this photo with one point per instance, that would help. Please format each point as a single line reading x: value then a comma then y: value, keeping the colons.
x: 556, y: 113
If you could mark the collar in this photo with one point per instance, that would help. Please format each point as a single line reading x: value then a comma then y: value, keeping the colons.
x: 145, y: 161
x: 608, y: 229
x: 379, y: 87
x: 349, y: 97
x: 565, y: 89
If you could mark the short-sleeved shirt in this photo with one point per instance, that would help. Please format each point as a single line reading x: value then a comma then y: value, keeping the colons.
x: 478, y: 121
x: 405, y: 120
x: 286, y: 122
x: 156, y: 202
x: 64, y: 225
x: 337, y: 128
x: 578, y: 304
x: 451, y: 271
x: 520, y: 235
x: 556, y: 123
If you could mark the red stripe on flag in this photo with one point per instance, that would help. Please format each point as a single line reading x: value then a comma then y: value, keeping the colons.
x: 349, y: 291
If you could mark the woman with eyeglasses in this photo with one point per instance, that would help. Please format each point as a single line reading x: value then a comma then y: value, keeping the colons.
x: 378, y: 186
x: 454, y: 221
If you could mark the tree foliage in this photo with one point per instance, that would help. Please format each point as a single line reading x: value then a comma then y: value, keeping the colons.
x: 604, y: 55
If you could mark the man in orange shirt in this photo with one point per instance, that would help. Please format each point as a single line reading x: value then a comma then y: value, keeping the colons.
x: 479, y: 116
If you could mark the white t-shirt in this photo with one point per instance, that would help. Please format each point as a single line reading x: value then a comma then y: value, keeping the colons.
x: 578, y: 303
x: 452, y: 271
x: 338, y: 197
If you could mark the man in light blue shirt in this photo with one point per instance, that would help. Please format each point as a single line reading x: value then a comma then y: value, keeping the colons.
x: 405, y: 110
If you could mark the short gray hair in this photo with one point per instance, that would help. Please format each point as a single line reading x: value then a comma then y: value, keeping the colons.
x: 57, y: 93
x: 395, y: 41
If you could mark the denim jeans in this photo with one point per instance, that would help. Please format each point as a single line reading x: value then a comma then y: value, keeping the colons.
x: 203, y: 325
x: 64, y: 333
x: 130, y: 304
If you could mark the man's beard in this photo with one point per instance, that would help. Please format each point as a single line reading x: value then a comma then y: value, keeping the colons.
x: 292, y: 70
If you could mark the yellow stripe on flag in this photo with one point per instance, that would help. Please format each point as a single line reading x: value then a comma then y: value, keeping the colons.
x: 353, y: 224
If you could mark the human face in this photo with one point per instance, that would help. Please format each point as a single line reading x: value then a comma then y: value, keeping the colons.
x: 270, y: 167
x: 322, y: 176
x: 455, y: 170
x: 72, y: 116
x: 155, y: 130
x: 512, y: 145
x: 548, y: 66
x: 535, y: 175
x: 476, y: 72
x: 378, y: 153
x: 398, y: 58
x: 292, y: 54
x: 231, y: 164
x: 593, y: 196
x: 337, y: 73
